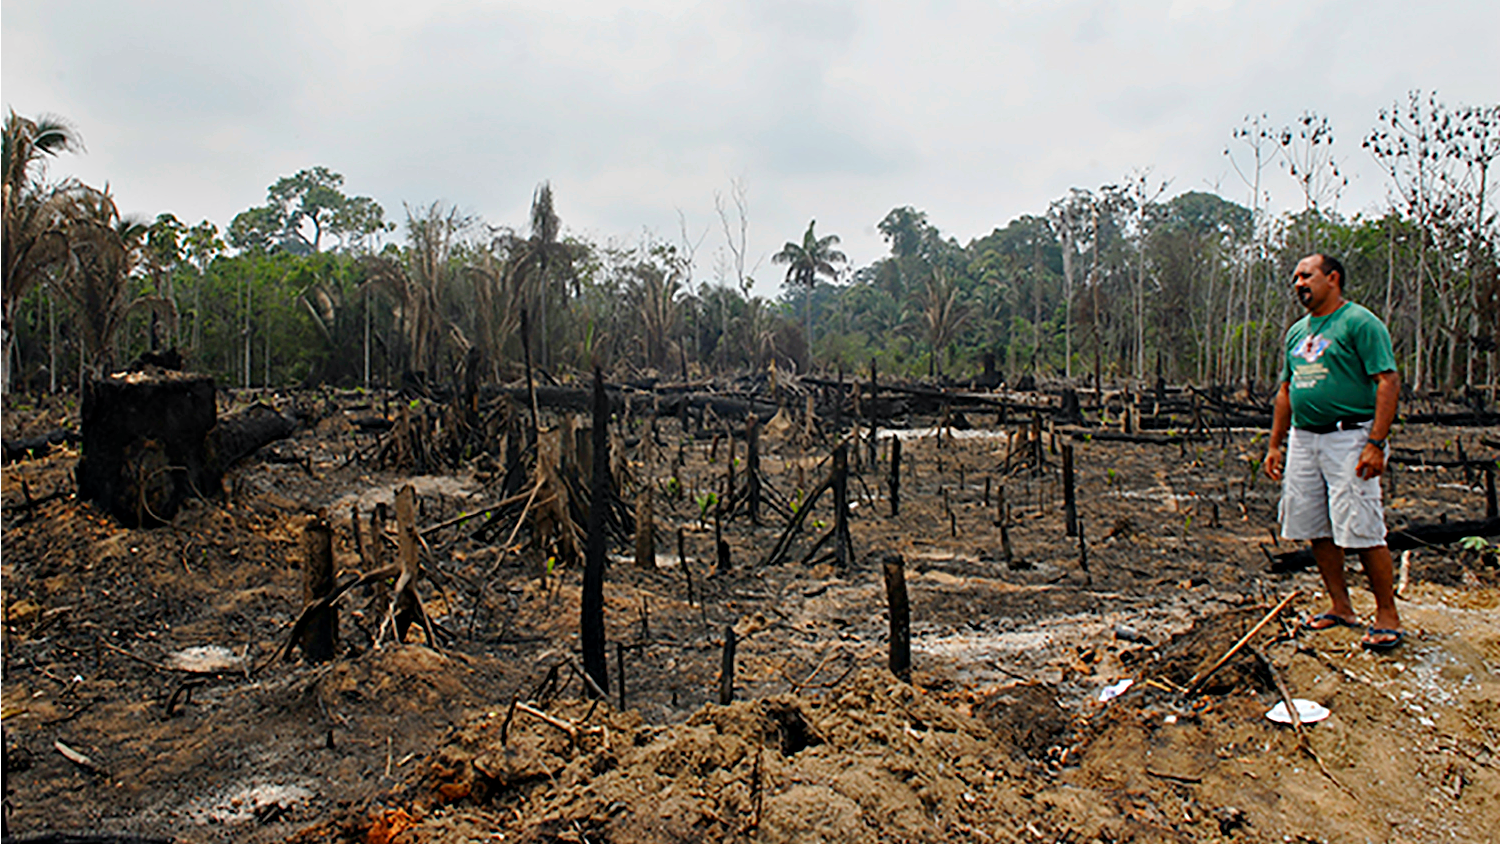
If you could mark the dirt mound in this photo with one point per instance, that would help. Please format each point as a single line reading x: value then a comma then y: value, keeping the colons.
x: 875, y: 760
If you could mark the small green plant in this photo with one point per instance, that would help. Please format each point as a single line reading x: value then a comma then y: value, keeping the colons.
x: 1109, y: 476
x: 673, y: 488
x: 1475, y: 543
x: 706, y: 502
x: 551, y: 564
x: 414, y: 404
x: 819, y: 524
x: 796, y: 501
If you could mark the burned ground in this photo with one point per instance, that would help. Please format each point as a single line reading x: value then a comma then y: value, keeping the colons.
x: 152, y: 657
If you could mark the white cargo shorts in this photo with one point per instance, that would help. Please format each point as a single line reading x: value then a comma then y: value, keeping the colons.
x: 1322, y: 497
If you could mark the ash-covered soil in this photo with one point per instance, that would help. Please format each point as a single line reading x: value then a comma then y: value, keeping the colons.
x: 144, y: 695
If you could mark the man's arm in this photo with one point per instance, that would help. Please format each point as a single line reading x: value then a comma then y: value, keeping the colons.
x: 1281, y: 422
x: 1387, y: 391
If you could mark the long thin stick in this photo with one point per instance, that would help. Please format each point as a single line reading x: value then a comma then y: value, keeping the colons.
x: 517, y: 529
x: 474, y: 515
x: 1296, y: 716
x: 1200, y: 679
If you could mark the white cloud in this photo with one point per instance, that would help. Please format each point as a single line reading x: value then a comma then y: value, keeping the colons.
x: 976, y: 112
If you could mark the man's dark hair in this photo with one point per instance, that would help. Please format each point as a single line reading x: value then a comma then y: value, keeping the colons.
x: 1332, y: 265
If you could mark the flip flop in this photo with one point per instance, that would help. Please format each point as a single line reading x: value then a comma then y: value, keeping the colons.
x: 1385, y: 645
x: 1337, y: 621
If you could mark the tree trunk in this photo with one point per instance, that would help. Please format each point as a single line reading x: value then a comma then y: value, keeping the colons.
x: 321, y: 636
x: 591, y: 622
x: 144, y: 444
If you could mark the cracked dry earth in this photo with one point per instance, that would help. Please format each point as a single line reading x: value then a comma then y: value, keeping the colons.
x: 149, y: 655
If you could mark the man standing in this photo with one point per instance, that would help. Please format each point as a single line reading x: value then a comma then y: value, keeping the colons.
x: 1338, y: 398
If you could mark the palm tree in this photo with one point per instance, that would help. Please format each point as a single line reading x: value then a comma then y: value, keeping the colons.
x: 807, y: 260
x: 493, y: 273
x: 33, y: 215
x: 654, y: 290
x: 942, y: 316
x: 418, y: 281
x: 547, y: 258
x: 105, y: 252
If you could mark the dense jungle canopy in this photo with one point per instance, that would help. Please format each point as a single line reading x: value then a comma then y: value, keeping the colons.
x: 1122, y: 282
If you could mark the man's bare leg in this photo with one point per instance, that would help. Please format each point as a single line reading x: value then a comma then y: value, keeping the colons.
x: 1330, y: 560
x: 1381, y: 572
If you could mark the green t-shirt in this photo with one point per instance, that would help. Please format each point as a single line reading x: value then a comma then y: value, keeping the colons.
x: 1330, y: 363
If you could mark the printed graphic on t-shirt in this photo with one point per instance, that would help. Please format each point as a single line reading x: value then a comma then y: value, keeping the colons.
x: 1305, y: 376
x: 1312, y: 348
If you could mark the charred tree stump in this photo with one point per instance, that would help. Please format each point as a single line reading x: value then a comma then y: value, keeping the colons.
x: 900, y: 615
x: 407, y: 607
x: 536, y: 421
x: 843, y: 544
x: 1083, y: 556
x: 721, y: 547
x: 321, y: 635
x: 1490, y: 510
x: 355, y: 535
x: 1070, y: 502
x: 752, y: 469
x: 1038, y: 453
x: 145, y: 444
x: 682, y: 560
x: 1007, y: 553
x: 591, y: 623
x: 729, y: 495
x: 1069, y: 411
x: 726, y: 668
x: 645, y: 529
x: 895, y: 476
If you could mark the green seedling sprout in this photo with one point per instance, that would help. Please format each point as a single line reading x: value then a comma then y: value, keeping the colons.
x: 705, y: 502
x: 1474, y: 543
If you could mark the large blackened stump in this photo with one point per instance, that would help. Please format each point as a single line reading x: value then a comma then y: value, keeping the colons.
x: 144, y: 444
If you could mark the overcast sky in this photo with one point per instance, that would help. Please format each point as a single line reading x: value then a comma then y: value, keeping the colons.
x: 975, y: 112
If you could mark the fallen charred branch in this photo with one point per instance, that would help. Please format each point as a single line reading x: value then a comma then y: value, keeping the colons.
x: 27, y: 504
x: 1141, y: 439
x: 1470, y: 463
x: 29, y: 448
x: 1470, y: 419
x: 1409, y: 538
x: 1158, y: 423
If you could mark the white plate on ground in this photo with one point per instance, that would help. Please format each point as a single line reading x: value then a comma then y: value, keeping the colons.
x: 1308, y: 712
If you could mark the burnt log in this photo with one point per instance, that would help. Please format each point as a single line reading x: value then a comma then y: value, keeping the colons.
x: 153, y: 440
x: 1409, y: 538
x: 40, y: 446
x: 241, y: 434
x: 1471, y: 419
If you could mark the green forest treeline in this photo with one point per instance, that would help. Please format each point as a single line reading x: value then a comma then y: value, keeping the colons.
x: 316, y: 286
